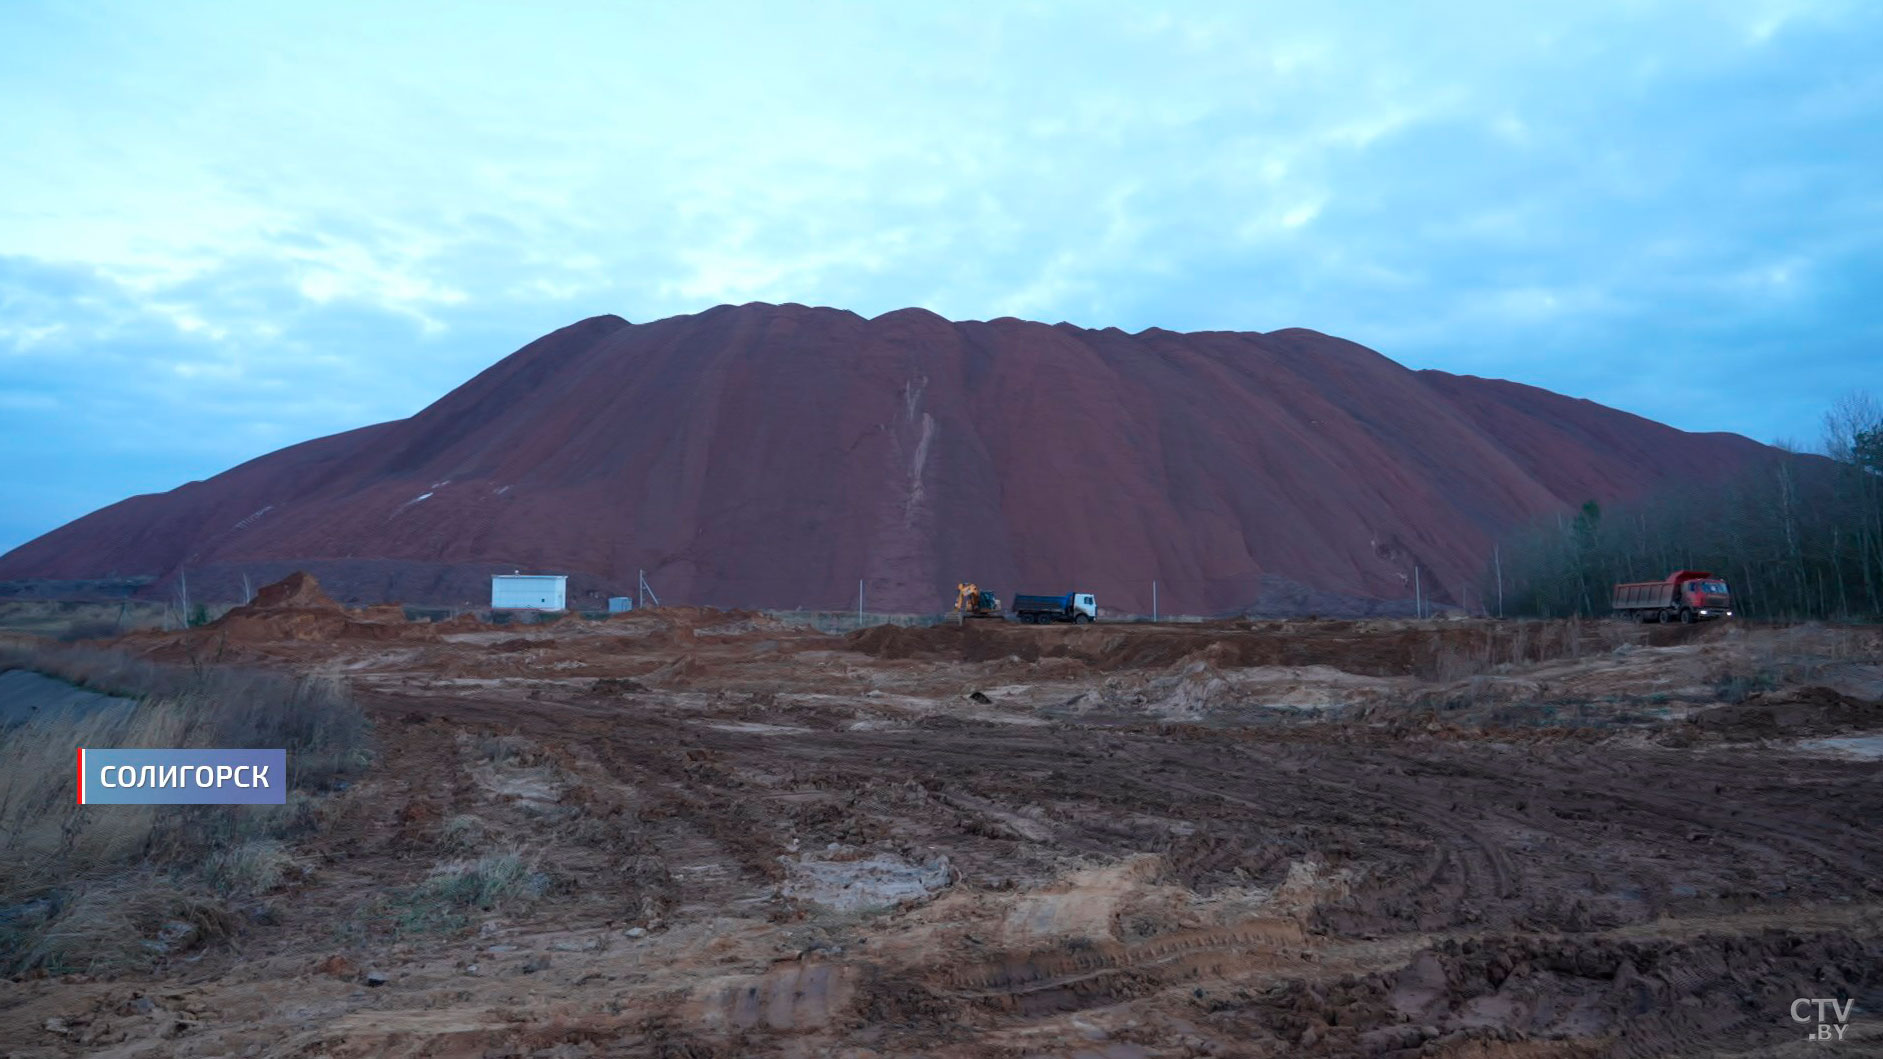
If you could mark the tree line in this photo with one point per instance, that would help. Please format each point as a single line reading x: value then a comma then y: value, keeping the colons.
x: 1797, y: 536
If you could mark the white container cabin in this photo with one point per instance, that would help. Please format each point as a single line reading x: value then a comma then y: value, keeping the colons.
x: 529, y: 592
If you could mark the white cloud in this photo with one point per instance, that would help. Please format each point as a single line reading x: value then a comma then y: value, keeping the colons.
x: 221, y: 201
x: 1302, y: 214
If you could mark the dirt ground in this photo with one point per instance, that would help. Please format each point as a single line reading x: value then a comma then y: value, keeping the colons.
x: 1448, y: 838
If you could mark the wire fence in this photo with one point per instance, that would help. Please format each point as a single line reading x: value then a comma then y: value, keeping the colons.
x: 844, y: 621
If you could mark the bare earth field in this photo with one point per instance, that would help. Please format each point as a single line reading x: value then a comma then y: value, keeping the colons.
x: 713, y: 834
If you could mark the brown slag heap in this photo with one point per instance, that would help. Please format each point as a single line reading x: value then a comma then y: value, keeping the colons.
x: 1286, y: 472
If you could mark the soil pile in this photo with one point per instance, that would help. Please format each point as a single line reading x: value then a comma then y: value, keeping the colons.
x: 296, y: 608
x: 1430, y: 650
x: 772, y: 455
x: 1792, y: 711
x: 297, y: 590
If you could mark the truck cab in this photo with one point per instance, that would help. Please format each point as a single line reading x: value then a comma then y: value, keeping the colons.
x: 1706, y: 598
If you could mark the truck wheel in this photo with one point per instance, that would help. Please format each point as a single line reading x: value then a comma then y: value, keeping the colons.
x: 1686, y: 616
x: 1083, y: 619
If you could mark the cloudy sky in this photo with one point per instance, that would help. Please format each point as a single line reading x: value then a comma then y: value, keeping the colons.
x: 229, y: 227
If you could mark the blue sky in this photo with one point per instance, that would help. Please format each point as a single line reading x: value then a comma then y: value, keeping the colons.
x: 225, y: 228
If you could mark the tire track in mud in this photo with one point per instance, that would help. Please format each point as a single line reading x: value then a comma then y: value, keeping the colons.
x: 1109, y: 972
x: 1430, y: 800
x: 1446, y: 832
x: 1479, y: 864
x: 1594, y: 814
x: 1095, y: 974
x: 675, y: 780
x: 1705, y: 812
x: 1669, y: 989
x: 986, y: 773
x: 1783, y: 824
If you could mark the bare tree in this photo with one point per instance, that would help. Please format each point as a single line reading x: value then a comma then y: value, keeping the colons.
x: 1797, y: 534
x: 1853, y: 436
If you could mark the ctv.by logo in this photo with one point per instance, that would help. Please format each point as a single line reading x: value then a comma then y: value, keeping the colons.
x: 1825, y: 1030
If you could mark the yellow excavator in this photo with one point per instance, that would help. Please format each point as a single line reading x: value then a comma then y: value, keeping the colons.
x: 971, y: 602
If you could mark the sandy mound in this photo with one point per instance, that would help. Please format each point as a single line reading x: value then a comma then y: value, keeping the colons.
x: 297, y: 590
x: 295, y: 608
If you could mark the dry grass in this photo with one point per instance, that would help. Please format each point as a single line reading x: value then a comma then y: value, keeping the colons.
x: 112, y: 927
x: 323, y: 730
x: 107, y: 671
x: 70, y: 854
x: 481, y: 882
x: 463, y: 833
x: 1801, y: 654
x: 71, y: 621
x: 46, y: 836
x: 457, y: 889
x: 256, y: 867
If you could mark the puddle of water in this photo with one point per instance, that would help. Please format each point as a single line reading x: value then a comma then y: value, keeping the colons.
x: 883, y: 879
x: 25, y: 695
x: 1864, y: 747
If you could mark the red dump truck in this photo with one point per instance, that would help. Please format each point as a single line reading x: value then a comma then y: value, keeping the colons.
x: 1684, y: 595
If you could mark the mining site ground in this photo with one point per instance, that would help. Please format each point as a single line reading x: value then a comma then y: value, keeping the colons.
x: 697, y: 833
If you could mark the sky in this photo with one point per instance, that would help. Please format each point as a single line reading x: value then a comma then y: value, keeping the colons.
x: 226, y: 228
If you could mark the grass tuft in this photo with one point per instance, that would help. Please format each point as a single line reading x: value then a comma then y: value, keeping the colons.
x: 257, y: 867
x: 463, y: 833
x: 454, y: 890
